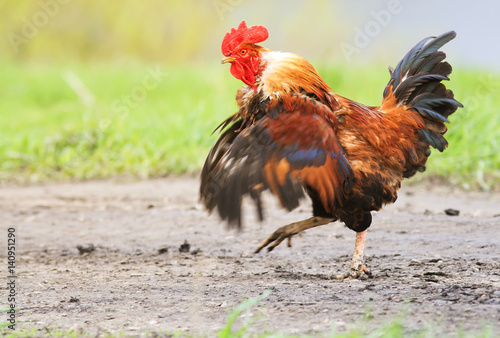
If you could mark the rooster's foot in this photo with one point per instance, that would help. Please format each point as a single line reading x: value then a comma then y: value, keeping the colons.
x: 354, y: 273
x: 277, y: 237
x: 290, y: 230
x: 358, y: 259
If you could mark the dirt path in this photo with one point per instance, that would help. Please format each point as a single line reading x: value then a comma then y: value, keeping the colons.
x: 430, y: 269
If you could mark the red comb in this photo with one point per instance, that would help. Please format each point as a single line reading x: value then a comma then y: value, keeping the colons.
x: 243, y: 34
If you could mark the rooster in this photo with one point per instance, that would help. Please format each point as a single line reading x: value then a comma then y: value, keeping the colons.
x: 293, y: 136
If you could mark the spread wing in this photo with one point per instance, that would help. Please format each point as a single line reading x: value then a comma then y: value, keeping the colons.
x: 294, y: 146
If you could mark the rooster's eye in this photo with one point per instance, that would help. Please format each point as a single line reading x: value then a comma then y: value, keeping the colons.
x: 243, y: 51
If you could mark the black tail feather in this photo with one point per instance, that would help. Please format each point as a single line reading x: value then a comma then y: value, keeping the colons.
x: 416, y: 82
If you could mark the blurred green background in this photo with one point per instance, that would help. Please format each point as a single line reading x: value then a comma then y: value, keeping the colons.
x: 92, y: 89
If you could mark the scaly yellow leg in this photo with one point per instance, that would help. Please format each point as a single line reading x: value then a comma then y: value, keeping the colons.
x: 358, y: 258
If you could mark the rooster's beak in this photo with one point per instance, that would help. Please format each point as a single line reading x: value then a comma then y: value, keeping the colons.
x: 227, y: 59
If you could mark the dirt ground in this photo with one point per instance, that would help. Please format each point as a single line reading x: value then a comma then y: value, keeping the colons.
x: 430, y: 270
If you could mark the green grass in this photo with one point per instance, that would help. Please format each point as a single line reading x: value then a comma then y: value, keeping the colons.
x: 51, y: 132
x: 85, y: 121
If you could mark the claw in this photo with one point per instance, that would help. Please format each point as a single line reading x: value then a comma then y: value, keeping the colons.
x: 290, y: 230
x: 275, y: 239
x: 355, y: 273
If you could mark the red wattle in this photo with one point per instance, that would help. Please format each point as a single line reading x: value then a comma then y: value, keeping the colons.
x: 243, y: 72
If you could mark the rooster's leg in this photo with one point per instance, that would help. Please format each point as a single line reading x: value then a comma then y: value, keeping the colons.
x: 358, y: 259
x: 290, y: 230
